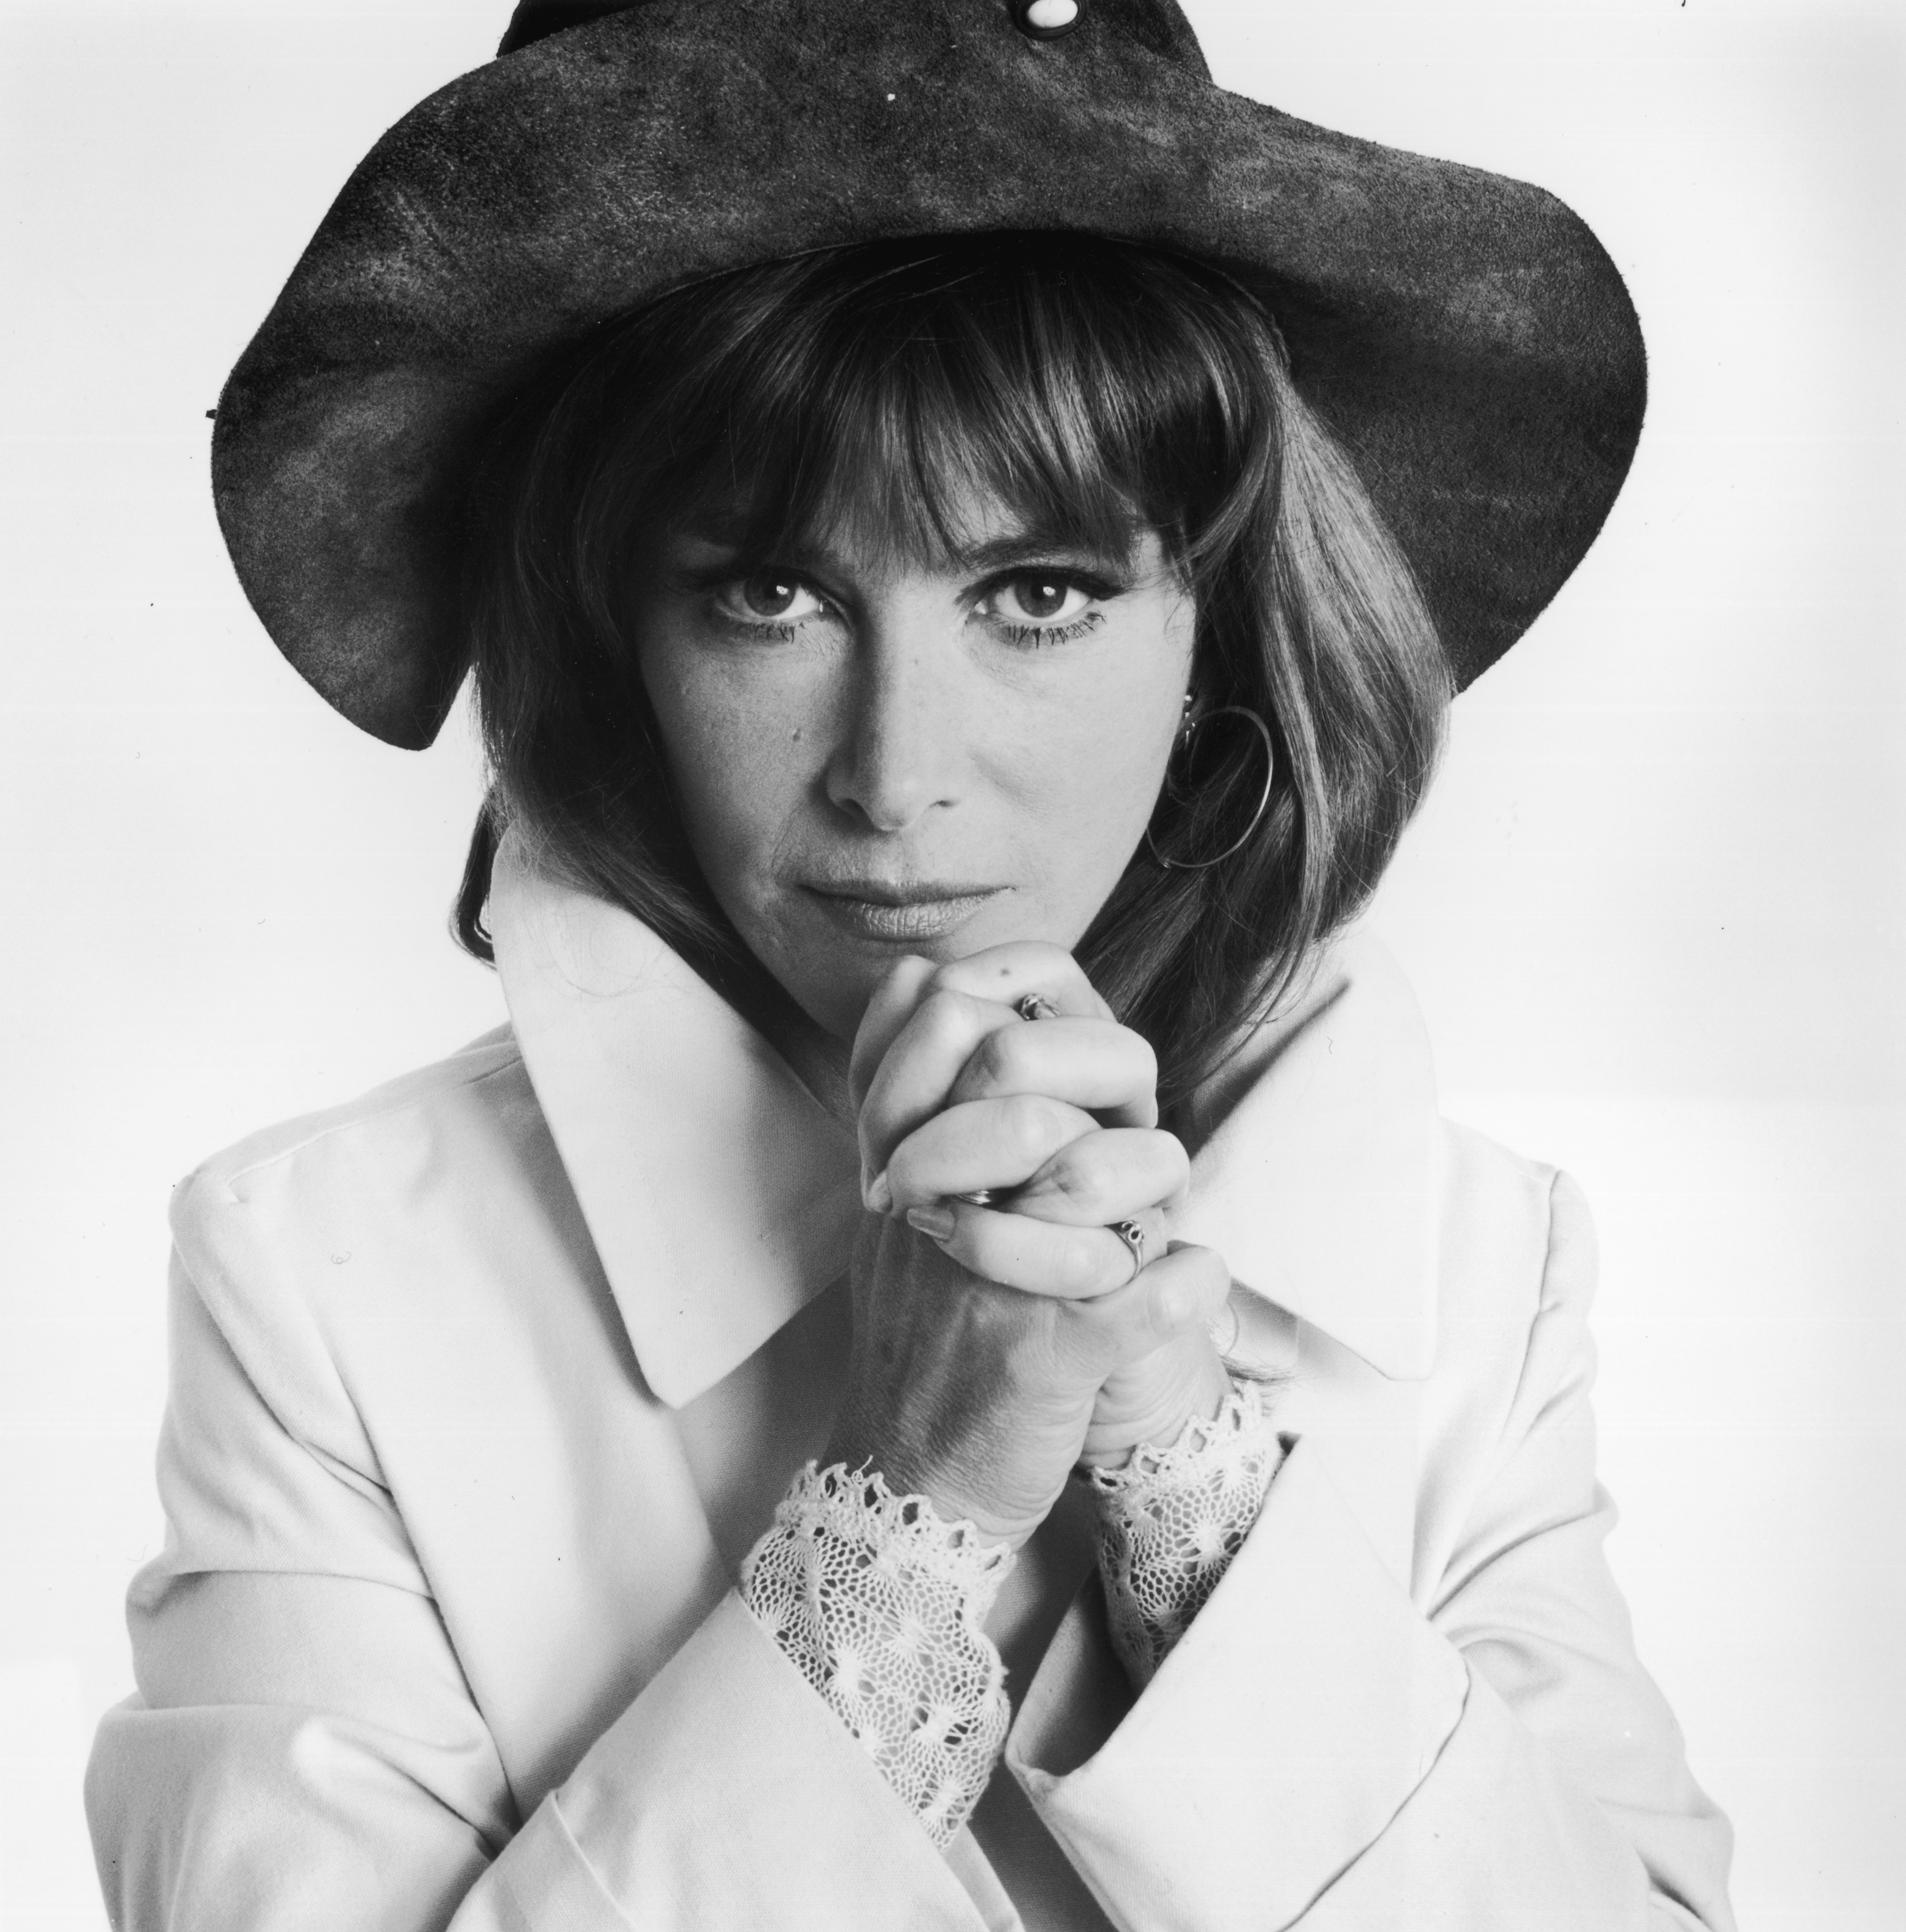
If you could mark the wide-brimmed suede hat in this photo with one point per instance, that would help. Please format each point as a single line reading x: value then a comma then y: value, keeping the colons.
x: 1464, y: 335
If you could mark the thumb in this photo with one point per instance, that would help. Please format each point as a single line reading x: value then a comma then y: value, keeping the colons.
x: 1184, y: 1289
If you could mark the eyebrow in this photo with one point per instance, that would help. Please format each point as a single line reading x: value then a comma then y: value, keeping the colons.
x: 986, y: 559
x: 1033, y: 546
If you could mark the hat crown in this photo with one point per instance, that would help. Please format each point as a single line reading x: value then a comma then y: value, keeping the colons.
x: 1463, y: 336
x: 1158, y: 25
x: 534, y: 19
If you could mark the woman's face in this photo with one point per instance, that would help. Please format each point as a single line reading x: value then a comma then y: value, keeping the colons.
x: 875, y: 757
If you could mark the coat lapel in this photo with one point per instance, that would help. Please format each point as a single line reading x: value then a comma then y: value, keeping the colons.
x: 1316, y: 1179
x: 722, y: 1197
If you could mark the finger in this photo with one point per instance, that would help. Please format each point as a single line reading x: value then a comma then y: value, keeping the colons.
x: 1001, y: 975
x: 891, y: 1007
x: 1112, y: 1173
x: 955, y: 1007
x: 1093, y: 1063
x: 994, y: 1144
x: 1006, y: 974
x: 912, y: 1081
x: 1042, y: 1257
x: 1183, y: 1290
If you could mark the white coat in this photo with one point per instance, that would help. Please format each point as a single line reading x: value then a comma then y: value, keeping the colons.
x: 483, y: 1385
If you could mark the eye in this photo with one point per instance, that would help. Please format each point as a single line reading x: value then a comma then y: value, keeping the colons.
x: 768, y: 597
x: 1039, y: 599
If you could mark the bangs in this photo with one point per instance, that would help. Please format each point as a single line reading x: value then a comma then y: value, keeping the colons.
x: 896, y: 396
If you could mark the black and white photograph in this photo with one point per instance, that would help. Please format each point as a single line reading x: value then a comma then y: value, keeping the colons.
x: 955, y: 971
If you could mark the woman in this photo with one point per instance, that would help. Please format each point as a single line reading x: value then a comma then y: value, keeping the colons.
x: 965, y: 535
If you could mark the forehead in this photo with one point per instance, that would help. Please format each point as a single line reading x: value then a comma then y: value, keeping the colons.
x: 869, y: 526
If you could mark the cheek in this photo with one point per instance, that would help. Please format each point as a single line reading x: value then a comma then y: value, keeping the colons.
x: 1098, y: 774
x: 1098, y: 761
x: 1089, y: 760
x: 738, y: 758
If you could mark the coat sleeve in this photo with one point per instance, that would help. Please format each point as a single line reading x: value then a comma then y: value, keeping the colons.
x: 304, y: 1751
x: 1320, y: 1751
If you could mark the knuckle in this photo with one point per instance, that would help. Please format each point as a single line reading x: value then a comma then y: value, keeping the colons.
x: 1080, y: 1271
x: 1031, y: 1125
x: 1066, y: 1269
x: 909, y: 976
x: 904, y: 1165
x: 1079, y: 1181
x: 1169, y: 1307
x: 994, y: 1320
x: 995, y: 1058
x: 942, y: 1013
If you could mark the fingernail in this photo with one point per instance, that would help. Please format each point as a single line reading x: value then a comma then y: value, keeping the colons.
x: 936, y: 1223
x: 880, y: 1194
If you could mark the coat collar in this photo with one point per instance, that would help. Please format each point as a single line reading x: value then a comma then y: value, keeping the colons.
x: 722, y: 1197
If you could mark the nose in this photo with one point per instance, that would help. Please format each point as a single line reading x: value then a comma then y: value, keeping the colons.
x: 899, y: 757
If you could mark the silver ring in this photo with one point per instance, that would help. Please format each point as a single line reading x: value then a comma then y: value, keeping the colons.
x: 1133, y: 1236
x: 977, y: 1197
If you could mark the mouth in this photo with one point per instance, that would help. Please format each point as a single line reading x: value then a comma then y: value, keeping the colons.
x: 905, y: 914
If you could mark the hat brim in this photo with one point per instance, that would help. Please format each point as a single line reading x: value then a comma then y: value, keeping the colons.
x: 1464, y: 335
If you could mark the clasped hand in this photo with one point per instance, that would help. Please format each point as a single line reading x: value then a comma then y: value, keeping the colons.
x: 996, y: 1346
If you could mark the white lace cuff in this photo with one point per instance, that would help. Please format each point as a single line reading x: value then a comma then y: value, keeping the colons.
x: 878, y: 1601
x: 1170, y: 1521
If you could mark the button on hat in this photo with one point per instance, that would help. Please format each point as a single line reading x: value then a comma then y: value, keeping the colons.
x: 1049, y: 19
x: 1464, y: 336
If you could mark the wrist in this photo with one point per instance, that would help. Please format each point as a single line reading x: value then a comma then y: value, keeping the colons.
x: 1171, y: 1521
x: 881, y: 1606
x: 1151, y: 1404
x: 858, y: 1507
x: 908, y: 1474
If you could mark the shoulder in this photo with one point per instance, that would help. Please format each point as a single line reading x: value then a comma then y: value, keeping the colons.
x: 456, y: 1121
x: 408, y: 1202
x: 471, y: 1083
x: 1518, y: 1263
x: 1500, y: 1207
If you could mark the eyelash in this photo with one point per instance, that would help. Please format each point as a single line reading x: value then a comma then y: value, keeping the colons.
x: 765, y: 633
x: 1034, y: 637
x: 1037, y: 636
x: 1023, y: 637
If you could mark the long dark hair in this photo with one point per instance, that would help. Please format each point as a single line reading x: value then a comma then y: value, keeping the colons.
x: 1095, y: 388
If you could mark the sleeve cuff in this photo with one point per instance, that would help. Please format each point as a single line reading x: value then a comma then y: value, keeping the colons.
x: 1306, y: 1702
x: 728, y: 1794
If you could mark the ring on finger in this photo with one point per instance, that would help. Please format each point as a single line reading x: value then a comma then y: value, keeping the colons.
x: 1132, y: 1234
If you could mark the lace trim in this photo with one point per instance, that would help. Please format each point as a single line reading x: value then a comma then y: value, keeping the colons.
x: 1170, y: 1521
x: 878, y: 1601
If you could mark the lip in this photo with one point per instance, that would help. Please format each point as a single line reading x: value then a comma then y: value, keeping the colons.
x: 878, y: 909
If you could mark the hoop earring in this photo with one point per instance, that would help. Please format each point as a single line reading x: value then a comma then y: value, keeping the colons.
x: 1190, y: 728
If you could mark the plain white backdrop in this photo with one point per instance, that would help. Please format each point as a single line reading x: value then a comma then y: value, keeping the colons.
x: 1654, y: 910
